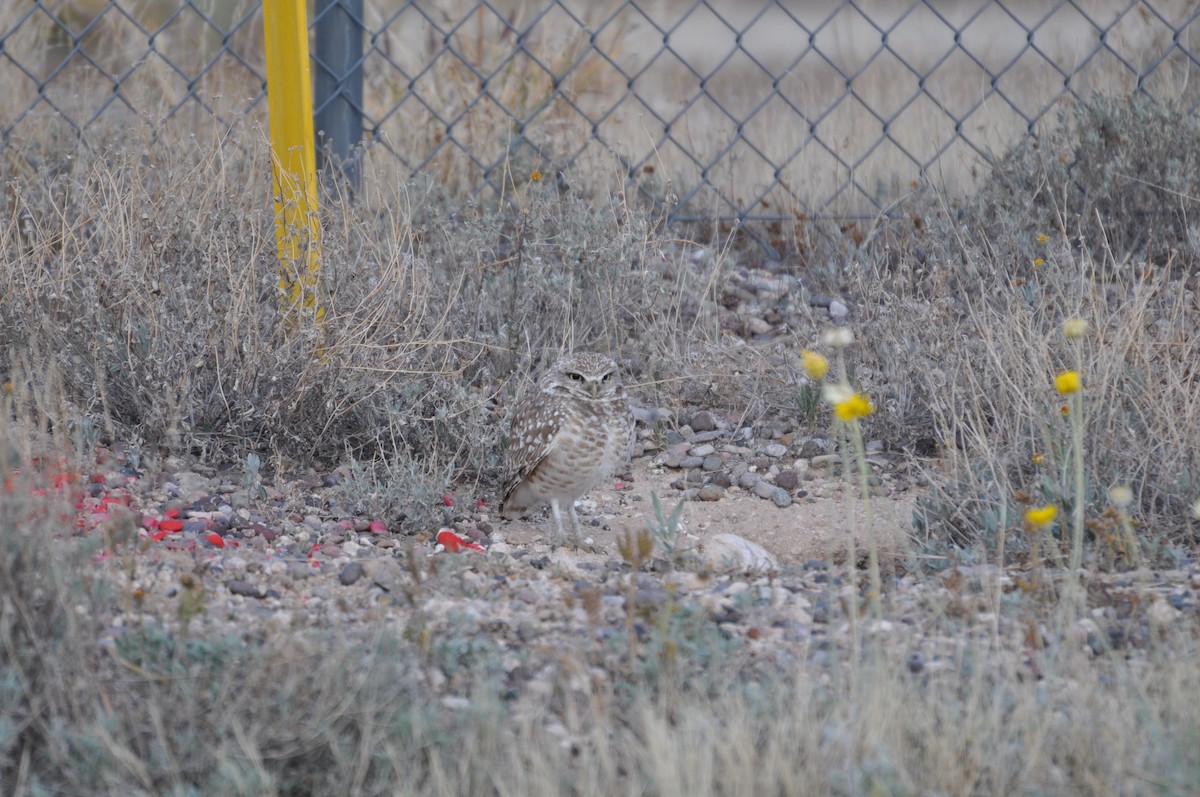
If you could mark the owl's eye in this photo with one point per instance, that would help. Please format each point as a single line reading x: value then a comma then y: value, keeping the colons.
x: 607, y: 377
x: 574, y: 377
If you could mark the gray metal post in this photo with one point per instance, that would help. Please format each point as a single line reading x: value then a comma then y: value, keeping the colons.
x: 338, y: 89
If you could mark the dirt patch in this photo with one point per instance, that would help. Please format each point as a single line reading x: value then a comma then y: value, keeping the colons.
x: 808, y: 529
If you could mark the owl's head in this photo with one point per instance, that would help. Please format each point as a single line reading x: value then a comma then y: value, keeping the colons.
x: 584, y: 374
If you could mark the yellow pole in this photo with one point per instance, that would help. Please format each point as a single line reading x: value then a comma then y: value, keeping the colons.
x: 293, y: 158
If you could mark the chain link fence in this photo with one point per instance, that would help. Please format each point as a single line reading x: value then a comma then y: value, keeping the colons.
x: 726, y: 109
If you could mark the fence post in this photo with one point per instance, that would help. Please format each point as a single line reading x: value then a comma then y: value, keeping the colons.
x: 339, y: 89
x: 289, y: 106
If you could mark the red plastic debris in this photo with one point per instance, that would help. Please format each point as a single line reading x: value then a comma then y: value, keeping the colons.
x: 173, y: 512
x: 454, y: 543
x: 171, y: 525
x: 377, y: 527
x: 212, y: 537
x: 448, y: 499
x: 158, y: 536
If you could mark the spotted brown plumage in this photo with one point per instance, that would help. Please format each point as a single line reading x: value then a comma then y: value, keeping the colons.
x: 567, y: 437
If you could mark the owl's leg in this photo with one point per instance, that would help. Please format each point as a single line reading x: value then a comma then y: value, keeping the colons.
x: 576, y: 537
x: 557, y: 510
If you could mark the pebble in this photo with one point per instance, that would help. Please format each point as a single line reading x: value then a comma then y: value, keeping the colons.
x: 1161, y: 614
x: 763, y: 489
x: 351, y: 573
x: 775, y: 450
x: 239, y: 587
x: 731, y: 550
x: 674, y: 454
x: 710, y: 492
x: 703, y: 421
x: 712, y: 463
x: 787, y: 479
x: 188, y: 481
x: 703, y: 450
x: 385, y: 573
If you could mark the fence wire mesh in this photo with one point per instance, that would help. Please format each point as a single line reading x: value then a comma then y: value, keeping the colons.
x: 737, y: 110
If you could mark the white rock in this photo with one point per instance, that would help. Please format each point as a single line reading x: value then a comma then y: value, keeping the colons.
x: 730, y: 550
x: 1161, y: 614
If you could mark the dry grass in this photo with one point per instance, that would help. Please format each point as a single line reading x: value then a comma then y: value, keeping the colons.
x: 92, y: 709
x: 969, y: 338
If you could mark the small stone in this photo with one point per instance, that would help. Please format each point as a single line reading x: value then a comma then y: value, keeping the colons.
x: 688, y: 463
x: 787, y: 479
x: 704, y: 450
x: 747, y: 480
x: 299, y: 570
x: 350, y: 573
x: 710, y: 492
x: 675, y: 454
x: 385, y: 573
x: 1161, y: 613
x: 757, y: 326
x: 721, y: 479
x: 730, y: 550
x: 244, y: 588
x: 190, y: 481
x: 775, y: 450
x: 712, y: 463
x: 703, y: 421
x: 781, y: 498
x: 763, y: 489
x: 838, y: 311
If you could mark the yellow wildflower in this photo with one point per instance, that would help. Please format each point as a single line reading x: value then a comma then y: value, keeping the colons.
x: 1120, y: 496
x: 837, y: 338
x: 1041, y: 516
x: 815, y: 365
x: 853, y: 408
x: 1038, y: 459
x: 1067, y: 382
x: 536, y: 176
x: 1038, y: 262
x: 1043, y: 238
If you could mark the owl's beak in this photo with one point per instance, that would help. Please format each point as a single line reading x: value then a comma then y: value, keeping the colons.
x: 594, y: 387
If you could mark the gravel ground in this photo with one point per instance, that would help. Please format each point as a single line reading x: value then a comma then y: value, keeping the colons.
x: 762, y: 520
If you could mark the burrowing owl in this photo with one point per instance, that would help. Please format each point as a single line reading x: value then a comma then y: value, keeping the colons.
x: 567, y: 438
